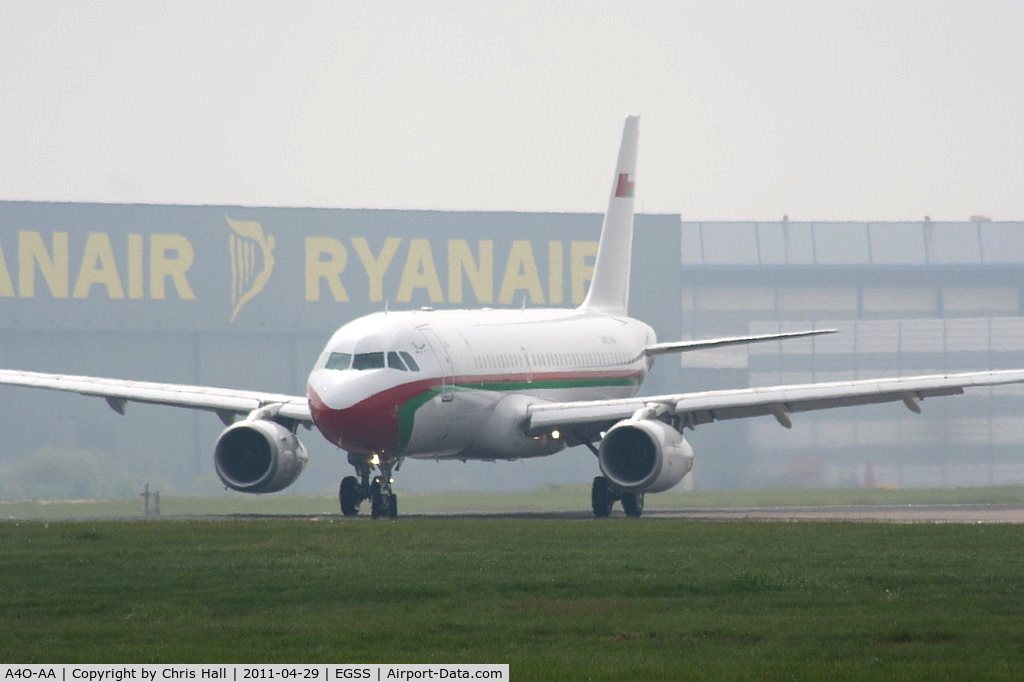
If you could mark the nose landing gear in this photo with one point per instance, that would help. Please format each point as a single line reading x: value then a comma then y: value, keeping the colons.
x: 353, y: 490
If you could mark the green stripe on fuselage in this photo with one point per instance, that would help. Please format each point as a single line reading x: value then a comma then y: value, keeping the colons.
x: 407, y: 412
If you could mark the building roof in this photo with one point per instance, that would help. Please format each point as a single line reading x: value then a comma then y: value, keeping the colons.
x: 833, y: 243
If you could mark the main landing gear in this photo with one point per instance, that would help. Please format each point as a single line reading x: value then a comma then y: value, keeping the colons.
x: 353, y: 490
x: 604, y: 494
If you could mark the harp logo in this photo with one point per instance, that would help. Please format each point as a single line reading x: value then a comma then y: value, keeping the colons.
x: 252, y: 261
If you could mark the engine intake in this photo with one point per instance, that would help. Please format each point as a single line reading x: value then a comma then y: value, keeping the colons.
x: 258, y: 456
x: 644, y: 455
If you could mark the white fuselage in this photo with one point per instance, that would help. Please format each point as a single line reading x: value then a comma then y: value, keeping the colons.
x: 456, y: 383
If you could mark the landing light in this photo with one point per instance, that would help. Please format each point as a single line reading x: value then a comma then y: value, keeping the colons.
x: 375, y: 460
x: 556, y: 434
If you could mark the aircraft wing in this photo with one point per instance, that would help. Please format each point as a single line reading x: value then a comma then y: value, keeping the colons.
x: 778, y: 401
x: 227, y: 403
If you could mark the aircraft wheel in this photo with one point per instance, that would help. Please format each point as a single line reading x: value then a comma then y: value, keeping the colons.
x: 633, y: 504
x: 383, y: 505
x: 602, y: 497
x: 350, y: 496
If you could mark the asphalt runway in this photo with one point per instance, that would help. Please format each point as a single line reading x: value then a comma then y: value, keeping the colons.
x: 935, y: 513
x: 948, y: 513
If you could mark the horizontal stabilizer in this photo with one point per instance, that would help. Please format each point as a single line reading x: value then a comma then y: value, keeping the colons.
x: 700, y: 344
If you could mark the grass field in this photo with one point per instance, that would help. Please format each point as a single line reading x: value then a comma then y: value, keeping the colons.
x: 556, y: 599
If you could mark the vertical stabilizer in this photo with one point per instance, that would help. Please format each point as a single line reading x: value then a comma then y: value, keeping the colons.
x: 609, y: 287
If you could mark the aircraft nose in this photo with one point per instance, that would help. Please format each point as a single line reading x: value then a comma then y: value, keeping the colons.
x: 368, y: 426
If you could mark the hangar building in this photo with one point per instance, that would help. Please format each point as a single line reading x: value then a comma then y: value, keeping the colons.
x: 907, y: 298
x: 246, y: 297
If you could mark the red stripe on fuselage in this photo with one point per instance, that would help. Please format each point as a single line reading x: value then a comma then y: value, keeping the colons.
x: 372, y: 425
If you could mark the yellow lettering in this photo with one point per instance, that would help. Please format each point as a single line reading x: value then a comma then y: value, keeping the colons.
x: 376, y: 266
x: 419, y: 273
x: 6, y: 284
x: 555, y: 273
x: 163, y: 266
x: 480, y: 272
x: 135, y: 254
x: 521, y: 273
x: 581, y: 267
x: 98, y: 267
x: 329, y: 269
x: 32, y: 252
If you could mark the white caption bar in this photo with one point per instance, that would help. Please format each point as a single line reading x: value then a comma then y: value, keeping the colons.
x: 256, y: 673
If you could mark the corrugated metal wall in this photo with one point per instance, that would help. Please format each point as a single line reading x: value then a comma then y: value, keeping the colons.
x: 907, y: 298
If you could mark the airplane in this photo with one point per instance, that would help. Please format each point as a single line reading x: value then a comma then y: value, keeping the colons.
x: 506, y: 384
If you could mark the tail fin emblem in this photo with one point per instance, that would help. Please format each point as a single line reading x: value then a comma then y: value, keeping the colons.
x: 624, y: 187
x: 248, y: 276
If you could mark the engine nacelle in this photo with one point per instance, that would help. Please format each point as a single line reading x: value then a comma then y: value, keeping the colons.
x: 644, y: 456
x: 258, y: 456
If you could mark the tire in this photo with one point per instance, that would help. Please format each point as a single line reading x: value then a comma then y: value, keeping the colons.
x: 349, y: 496
x: 602, y: 498
x: 383, y: 505
x: 633, y: 504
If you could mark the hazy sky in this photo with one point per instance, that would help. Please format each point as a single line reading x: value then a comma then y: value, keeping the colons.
x: 821, y: 109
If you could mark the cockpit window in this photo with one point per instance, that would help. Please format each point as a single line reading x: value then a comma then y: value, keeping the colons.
x: 400, y: 360
x: 339, y: 361
x: 368, y: 360
x: 410, y: 362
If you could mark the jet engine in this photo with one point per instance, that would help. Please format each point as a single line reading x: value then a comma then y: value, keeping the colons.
x: 258, y: 456
x: 644, y: 456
